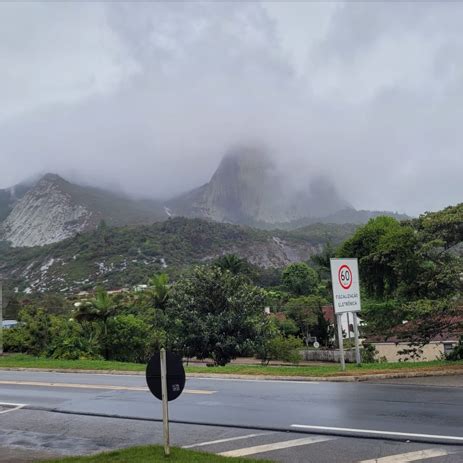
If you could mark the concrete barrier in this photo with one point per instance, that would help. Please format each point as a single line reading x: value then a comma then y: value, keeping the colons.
x: 327, y: 355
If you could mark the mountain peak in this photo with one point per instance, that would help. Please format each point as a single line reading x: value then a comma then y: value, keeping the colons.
x: 247, y: 153
x: 244, y: 158
x: 53, y: 178
x: 248, y: 188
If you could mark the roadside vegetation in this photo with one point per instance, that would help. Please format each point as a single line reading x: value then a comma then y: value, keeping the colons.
x: 410, y: 272
x: 151, y: 454
x: 325, y: 370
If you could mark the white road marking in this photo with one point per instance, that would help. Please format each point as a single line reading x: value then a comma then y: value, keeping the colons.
x: 188, y: 377
x: 230, y: 439
x: 95, y: 386
x: 411, y: 456
x: 276, y: 446
x: 13, y: 407
x: 280, y: 381
x: 375, y: 432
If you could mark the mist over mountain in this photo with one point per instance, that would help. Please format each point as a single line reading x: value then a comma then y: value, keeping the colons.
x: 151, y: 96
x: 247, y: 189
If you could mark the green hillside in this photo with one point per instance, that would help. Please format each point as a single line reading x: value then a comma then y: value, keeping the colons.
x: 116, y: 257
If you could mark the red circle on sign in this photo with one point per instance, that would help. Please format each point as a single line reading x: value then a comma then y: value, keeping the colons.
x: 345, y: 276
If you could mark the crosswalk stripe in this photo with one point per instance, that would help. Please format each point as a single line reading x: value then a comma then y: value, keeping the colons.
x: 13, y: 408
x: 379, y: 433
x: 275, y: 446
x: 229, y: 439
x: 411, y: 456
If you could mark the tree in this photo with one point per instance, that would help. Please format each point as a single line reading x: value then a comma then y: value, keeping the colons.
x: 32, y: 335
x: 99, y: 309
x: 379, y: 245
x: 233, y: 264
x: 322, y: 259
x: 159, y: 290
x: 445, y: 225
x: 401, y: 262
x: 305, y: 313
x: 215, y: 314
x: 410, y: 271
x: 300, y: 279
x: 128, y: 339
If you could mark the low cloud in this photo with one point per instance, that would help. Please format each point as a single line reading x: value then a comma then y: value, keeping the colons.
x: 147, y: 97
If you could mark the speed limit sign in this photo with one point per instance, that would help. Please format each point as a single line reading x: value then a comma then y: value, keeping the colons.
x: 346, y: 287
x: 345, y: 276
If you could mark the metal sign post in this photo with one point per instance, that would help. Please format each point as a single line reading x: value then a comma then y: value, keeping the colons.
x: 348, y: 328
x: 341, y: 342
x: 358, y: 359
x: 165, y: 403
x: 165, y: 377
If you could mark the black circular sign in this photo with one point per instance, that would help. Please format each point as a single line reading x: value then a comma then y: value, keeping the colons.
x: 175, y: 375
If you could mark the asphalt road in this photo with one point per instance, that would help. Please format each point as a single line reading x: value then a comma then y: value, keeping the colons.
x: 66, y: 413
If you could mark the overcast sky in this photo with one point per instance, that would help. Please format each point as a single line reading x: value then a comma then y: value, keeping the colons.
x: 148, y: 96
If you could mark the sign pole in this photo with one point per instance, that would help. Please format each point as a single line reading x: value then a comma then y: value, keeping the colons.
x: 357, y: 343
x: 348, y: 329
x: 165, y: 402
x: 341, y: 342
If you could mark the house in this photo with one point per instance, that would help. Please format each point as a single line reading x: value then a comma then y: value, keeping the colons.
x: 390, y: 348
x: 6, y: 324
x: 347, y: 321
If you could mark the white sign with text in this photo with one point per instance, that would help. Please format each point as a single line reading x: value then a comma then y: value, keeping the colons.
x: 346, y: 285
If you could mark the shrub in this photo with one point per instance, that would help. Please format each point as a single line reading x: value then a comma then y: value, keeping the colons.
x: 69, y: 340
x: 128, y: 339
x: 14, y: 340
x: 368, y: 353
x: 457, y: 352
x: 281, y: 348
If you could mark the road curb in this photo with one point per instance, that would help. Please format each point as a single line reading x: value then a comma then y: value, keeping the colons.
x: 346, y: 379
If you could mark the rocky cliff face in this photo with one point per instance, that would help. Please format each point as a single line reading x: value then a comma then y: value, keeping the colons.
x: 248, y: 189
x: 54, y: 209
x: 46, y: 214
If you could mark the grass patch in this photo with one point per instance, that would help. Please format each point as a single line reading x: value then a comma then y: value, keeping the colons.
x: 149, y: 454
x: 27, y: 361
x: 329, y: 370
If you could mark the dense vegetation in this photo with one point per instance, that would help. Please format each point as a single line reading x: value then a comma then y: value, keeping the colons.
x: 117, y: 257
x: 410, y: 271
x: 212, y: 312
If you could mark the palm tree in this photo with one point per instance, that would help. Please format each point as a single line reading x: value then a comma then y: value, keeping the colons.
x: 159, y: 290
x: 99, y: 309
x: 233, y: 264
